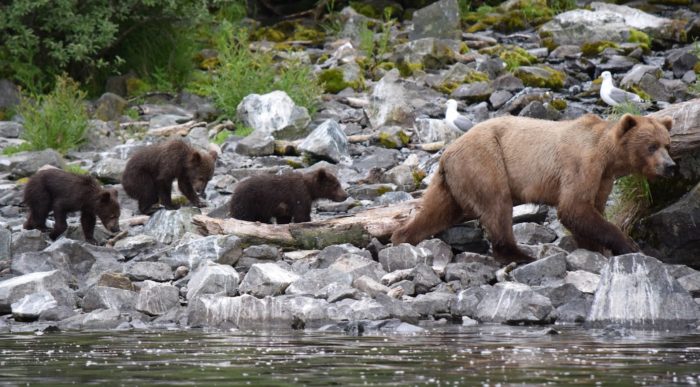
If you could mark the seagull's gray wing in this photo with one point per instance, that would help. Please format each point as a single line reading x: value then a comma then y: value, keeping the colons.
x: 620, y: 96
x: 463, y: 123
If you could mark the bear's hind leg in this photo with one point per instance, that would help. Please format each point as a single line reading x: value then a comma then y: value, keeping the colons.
x: 499, y: 225
x: 439, y: 211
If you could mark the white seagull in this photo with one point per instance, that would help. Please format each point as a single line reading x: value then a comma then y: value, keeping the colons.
x: 454, y: 119
x: 614, y: 96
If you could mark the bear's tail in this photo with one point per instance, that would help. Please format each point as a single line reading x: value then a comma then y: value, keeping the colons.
x: 439, y: 211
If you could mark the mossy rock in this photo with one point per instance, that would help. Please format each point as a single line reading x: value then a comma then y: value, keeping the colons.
x: 639, y: 37
x: 407, y: 69
x: 475, y: 76
x: 559, y: 104
x: 270, y: 34
x: 643, y: 94
x: 136, y: 86
x: 333, y: 81
x: 591, y: 49
x: 393, y: 138
x: 447, y: 87
x: 512, y: 56
x: 540, y: 76
x: 696, y: 68
x: 180, y: 200
x: 376, y: 9
x: 418, y: 176
x: 209, y: 63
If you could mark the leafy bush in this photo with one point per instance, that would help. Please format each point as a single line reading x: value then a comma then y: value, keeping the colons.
x: 245, y: 72
x: 40, y: 39
x: 56, y: 120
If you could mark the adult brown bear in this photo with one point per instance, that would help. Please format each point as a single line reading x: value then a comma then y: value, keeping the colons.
x: 568, y: 164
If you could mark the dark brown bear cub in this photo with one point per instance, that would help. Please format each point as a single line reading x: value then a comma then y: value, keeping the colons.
x: 63, y: 192
x: 149, y: 174
x: 287, y: 198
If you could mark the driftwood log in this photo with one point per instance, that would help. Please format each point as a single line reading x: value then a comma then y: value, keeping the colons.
x: 685, y: 134
x: 357, y: 229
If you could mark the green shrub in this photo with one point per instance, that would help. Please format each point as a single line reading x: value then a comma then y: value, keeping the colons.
x: 12, y: 149
x: 75, y: 168
x: 616, y: 112
x: 56, y: 120
x: 221, y: 137
x: 633, y: 201
x: 245, y: 72
x: 243, y: 131
x: 41, y: 39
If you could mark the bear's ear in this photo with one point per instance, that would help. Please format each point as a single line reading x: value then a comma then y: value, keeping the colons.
x: 113, y: 192
x: 626, y: 123
x: 105, y: 197
x: 322, y: 174
x: 667, y: 122
x: 214, y: 154
x: 196, y: 157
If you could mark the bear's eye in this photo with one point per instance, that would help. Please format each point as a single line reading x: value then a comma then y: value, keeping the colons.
x: 653, y: 148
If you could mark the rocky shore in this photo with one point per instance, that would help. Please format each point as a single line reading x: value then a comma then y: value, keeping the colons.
x: 380, y: 131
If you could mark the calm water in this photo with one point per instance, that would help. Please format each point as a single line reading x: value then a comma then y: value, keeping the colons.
x: 486, y: 355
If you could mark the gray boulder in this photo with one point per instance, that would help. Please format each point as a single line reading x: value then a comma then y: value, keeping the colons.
x: 438, y: 20
x: 28, y: 241
x: 327, y: 142
x: 404, y: 256
x: 14, y: 289
x: 330, y: 254
x: 155, y: 271
x: 582, y: 259
x: 584, y: 281
x: 358, y: 266
x: 636, y: 291
x: 432, y: 304
x: 424, y: 278
x: 156, y: 299
x: 256, y: 144
x: 213, y: 278
x: 168, y: 226
x: 546, y: 271
x: 105, y: 297
x: 267, y: 279
x: 274, y: 114
x: 511, y: 302
x: 24, y: 164
x: 10, y: 129
x: 317, y: 281
x: 467, y: 301
x: 389, y: 103
x: 442, y: 252
x: 470, y: 274
x: 533, y: 233
x: 29, y: 307
x: 195, y: 251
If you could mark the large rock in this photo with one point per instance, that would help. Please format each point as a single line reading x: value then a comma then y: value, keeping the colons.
x: 249, y: 312
x: 267, y: 279
x: 533, y: 233
x: 438, y: 20
x: 258, y: 143
x: 212, y: 278
x: 105, y: 297
x: 428, y: 53
x: 676, y: 230
x: 25, y: 164
x: 636, y: 291
x: 404, y: 256
x: 357, y: 266
x: 317, y: 281
x: 392, y: 101
x: 169, y: 226
x: 156, y: 271
x: 9, y: 94
x: 606, y: 22
x: 194, y: 251
x: 327, y: 142
x: 14, y: 289
x: 10, y: 129
x: 546, y: 271
x: 470, y: 274
x: 274, y: 114
x: 81, y: 262
x: 29, y: 307
x: 510, y: 302
x: 156, y: 299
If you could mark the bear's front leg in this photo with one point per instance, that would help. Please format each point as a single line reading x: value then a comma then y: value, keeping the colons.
x: 60, y: 224
x: 87, y: 222
x: 164, y: 188
x: 186, y: 188
x: 591, y: 230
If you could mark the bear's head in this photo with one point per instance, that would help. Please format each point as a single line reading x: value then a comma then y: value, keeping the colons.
x: 107, y: 209
x: 324, y: 185
x: 646, y: 142
x: 201, y: 169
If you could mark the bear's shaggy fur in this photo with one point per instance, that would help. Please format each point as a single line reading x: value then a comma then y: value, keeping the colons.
x: 63, y: 192
x: 287, y: 198
x: 149, y: 174
x: 570, y: 164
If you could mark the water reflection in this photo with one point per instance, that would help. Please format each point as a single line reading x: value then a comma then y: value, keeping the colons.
x: 485, y: 355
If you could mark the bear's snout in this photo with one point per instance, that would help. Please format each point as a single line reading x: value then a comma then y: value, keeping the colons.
x: 340, y: 195
x: 668, y: 169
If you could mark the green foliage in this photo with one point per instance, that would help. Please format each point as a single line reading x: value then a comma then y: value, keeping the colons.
x: 636, y: 36
x: 633, y: 199
x: 559, y: 6
x: 221, y: 137
x: 56, y: 120
x: 75, y: 168
x: 245, y: 72
x: 366, y: 38
x: 616, y: 112
x: 595, y: 48
x: 243, y: 131
x: 513, y: 56
x: 12, y: 149
x: 41, y: 39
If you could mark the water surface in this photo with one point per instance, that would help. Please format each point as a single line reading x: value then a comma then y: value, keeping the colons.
x: 453, y: 355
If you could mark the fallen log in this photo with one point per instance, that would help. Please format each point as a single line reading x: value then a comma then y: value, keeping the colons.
x: 176, y: 130
x: 685, y: 133
x: 357, y: 229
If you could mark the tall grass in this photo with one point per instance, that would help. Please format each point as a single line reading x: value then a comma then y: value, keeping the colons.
x: 243, y: 72
x: 57, y: 120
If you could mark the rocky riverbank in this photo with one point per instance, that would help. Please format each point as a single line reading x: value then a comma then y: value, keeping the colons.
x: 380, y: 130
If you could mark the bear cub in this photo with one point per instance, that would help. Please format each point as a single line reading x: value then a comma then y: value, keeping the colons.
x: 64, y: 192
x: 149, y: 174
x: 287, y: 198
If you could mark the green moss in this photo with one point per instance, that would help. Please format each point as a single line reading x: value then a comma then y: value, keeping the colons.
x: 75, y: 168
x: 447, y: 87
x: 393, y: 140
x: 637, y: 90
x: 463, y: 48
x: 475, y: 76
x: 553, y: 80
x: 595, y: 48
x: 418, y: 176
x: 696, y: 68
x: 270, y: 34
x: 243, y: 131
x: 180, y: 200
x: 636, y: 36
x: 136, y: 86
x: 513, y: 56
x: 22, y: 180
x: 305, y: 33
x: 12, y: 149
x: 294, y: 163
x: 366, y: 9
x: 323, y: 58
x: 383, y: 189
x: 559, y: 104
x: 407, y: 69
x: 386, y: 140
x: 332, y: 80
